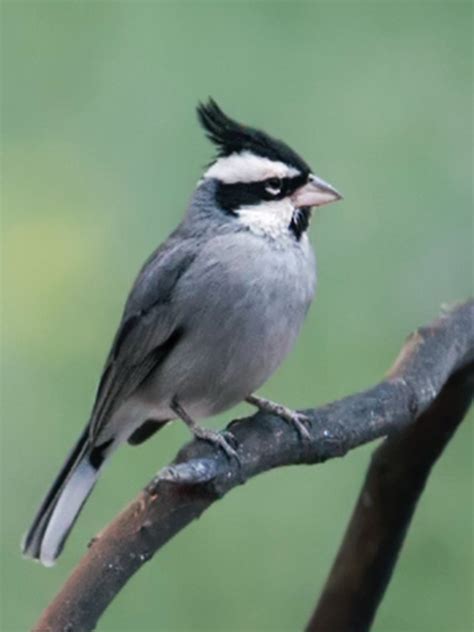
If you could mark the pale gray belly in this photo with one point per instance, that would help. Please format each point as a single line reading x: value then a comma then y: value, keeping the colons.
x: 241, y: 314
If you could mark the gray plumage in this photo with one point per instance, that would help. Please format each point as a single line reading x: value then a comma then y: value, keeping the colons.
x: 210, y: 317
x: 225, y: 345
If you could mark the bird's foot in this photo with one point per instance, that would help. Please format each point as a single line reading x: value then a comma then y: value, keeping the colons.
x: 296, y: 419
x: 221, y: 439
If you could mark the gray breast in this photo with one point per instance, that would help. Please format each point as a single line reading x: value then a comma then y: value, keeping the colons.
x: 241, y: 305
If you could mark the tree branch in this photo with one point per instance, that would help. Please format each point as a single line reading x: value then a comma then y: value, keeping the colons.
x: 200, y: 474
x: 394, y: 483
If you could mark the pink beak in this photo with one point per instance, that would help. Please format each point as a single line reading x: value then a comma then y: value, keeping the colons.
x: 315, y: 192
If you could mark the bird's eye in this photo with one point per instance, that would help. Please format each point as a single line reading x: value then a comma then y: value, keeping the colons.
x: 273, y: 186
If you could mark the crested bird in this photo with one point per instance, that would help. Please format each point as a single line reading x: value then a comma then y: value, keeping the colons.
x: 211, y: 315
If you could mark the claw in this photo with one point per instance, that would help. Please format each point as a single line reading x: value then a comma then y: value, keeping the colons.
x: 292, y: 417
x: 219, y: 439
x: 230, y: 439
x: 298, y: 420
x: 205, y: 433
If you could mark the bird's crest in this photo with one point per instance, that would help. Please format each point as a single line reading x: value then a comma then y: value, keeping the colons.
x: 231, y: 137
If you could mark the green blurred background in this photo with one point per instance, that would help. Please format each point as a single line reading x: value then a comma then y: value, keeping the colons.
x: 101, y: 151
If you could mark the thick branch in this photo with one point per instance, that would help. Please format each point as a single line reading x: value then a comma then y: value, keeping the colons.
x: 428, y: 359
x: 394, y: 483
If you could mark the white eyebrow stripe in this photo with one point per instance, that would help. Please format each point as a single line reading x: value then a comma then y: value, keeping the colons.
x: 248, y: 167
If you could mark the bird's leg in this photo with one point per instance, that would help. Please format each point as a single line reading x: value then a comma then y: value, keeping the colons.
x: 205, y: 434
x: 291, y: 416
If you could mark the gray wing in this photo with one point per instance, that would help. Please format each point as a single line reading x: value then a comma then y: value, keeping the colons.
x: 148, y: 331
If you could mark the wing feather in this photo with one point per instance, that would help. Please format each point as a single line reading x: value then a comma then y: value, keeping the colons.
x: 149, y: 330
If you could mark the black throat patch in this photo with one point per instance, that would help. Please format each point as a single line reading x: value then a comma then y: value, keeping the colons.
x: 300, y: 221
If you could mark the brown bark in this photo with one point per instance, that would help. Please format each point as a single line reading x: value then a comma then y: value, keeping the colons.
x: 394, y: 483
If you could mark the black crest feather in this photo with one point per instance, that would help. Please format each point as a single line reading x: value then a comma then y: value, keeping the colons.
x: 229, y: 136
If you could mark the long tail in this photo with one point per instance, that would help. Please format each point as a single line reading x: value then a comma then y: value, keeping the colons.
x: 62, y: 504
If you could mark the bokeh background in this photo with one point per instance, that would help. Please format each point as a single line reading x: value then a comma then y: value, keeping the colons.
x: 101, y: 151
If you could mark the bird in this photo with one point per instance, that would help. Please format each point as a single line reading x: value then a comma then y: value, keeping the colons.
x: 211, y: 315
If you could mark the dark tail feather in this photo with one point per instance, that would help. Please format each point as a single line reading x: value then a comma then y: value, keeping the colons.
x: 145, y: 431
x: 62, y: 504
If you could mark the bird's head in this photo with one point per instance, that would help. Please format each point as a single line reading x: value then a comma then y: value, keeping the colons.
x: 259, y: 179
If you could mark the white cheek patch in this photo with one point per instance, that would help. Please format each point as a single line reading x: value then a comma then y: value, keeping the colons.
x: 248, y: 167
x: 271, y: 219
